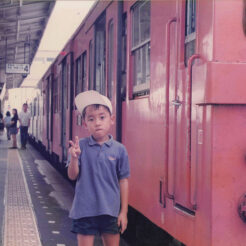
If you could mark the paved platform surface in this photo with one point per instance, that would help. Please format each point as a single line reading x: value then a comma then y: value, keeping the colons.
x: 34, y: 200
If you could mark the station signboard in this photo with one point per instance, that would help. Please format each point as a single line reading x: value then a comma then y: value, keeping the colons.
x: 17, y: 68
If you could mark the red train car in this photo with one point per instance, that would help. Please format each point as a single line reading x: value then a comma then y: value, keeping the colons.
x: 174, y: 72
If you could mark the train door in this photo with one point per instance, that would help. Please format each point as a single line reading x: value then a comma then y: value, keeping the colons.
x: 51, y: 111
x: 63, y: 108
x: 183, y: 118
x: 100, y: 53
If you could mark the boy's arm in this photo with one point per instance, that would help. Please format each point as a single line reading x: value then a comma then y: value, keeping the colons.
x: 122, y: 218
x: 73, y: 169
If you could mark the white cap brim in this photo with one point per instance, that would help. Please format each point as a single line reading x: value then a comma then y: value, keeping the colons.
x: 84, y: 99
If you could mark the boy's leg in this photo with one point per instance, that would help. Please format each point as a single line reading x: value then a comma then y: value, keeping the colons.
x: 111, y: 239
x: 85, y: 240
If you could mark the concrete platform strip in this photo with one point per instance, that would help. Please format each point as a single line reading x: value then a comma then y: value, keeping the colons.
x: 20, y: 226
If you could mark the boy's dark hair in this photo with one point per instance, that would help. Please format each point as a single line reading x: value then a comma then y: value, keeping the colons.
x: 7, y: 113
x: 96, y: 106
x: 24, y: 104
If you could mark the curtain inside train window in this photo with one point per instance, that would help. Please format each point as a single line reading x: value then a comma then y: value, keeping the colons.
x: 190, y: 29
x: 141, y: 47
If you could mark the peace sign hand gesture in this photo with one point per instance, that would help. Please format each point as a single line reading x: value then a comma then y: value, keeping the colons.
x: 74, y: 150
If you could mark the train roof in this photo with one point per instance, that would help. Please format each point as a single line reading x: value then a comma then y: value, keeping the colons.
x: 73, y: 36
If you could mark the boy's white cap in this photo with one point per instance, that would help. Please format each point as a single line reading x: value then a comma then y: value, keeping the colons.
x: 84, y: 99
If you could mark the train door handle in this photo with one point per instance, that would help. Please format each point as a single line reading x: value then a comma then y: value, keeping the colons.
x: 176, y: 103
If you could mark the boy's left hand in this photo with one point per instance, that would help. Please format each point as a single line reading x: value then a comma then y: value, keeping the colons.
x: 122, y: 222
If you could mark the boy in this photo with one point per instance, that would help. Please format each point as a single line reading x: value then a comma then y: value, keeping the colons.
x: 100, y: 165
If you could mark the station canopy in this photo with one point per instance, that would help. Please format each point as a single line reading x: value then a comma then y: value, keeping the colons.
x: 22, y: 23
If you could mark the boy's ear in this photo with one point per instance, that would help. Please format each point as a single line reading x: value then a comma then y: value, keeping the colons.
x: 112, y: 119
x: 84, y: 124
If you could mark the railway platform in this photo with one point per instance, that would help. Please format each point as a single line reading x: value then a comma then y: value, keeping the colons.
x: 34, y: 200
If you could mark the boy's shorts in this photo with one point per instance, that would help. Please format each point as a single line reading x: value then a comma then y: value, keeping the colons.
x: 96, y: 225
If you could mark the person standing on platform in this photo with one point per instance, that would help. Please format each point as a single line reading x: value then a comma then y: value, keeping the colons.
x: 13, y: 127
x: 24, y: 118
x: 100, y: 166
x: 7, y: 123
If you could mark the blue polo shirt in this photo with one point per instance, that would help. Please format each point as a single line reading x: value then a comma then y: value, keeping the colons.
x: 97, y: 190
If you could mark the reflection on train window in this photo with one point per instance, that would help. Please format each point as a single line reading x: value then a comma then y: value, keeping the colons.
x: 91, y: 87
x: 110, y: 59
x: 78, y: 76
x: 100, y: 55
x: 190, y: 29
x: 55, y: 95
x: 84, y: 73
x: 141, y: 46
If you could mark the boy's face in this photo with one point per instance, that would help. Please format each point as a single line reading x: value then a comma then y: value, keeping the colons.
x: 98, y: 122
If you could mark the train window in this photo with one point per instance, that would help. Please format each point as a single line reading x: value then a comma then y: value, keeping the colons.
x: 91, y: 66
x: 100, y: 55
x: 141, y: 47
x: 110, y: 59
x: 123, y: 57
x: 55, y: 95
x: 190, y: 29
x: 78, y: 76
x: 68, y: 83
x: 84, y: 73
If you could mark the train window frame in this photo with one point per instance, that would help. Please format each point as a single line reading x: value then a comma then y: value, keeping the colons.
x: 190, y: 29
x: 110, y: 79
x: 141, y: 49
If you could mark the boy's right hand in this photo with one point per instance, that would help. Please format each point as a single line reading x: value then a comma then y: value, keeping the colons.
x: 74, y: 150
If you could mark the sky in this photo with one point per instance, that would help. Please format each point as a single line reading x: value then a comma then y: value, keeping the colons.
x: 64, y: 20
